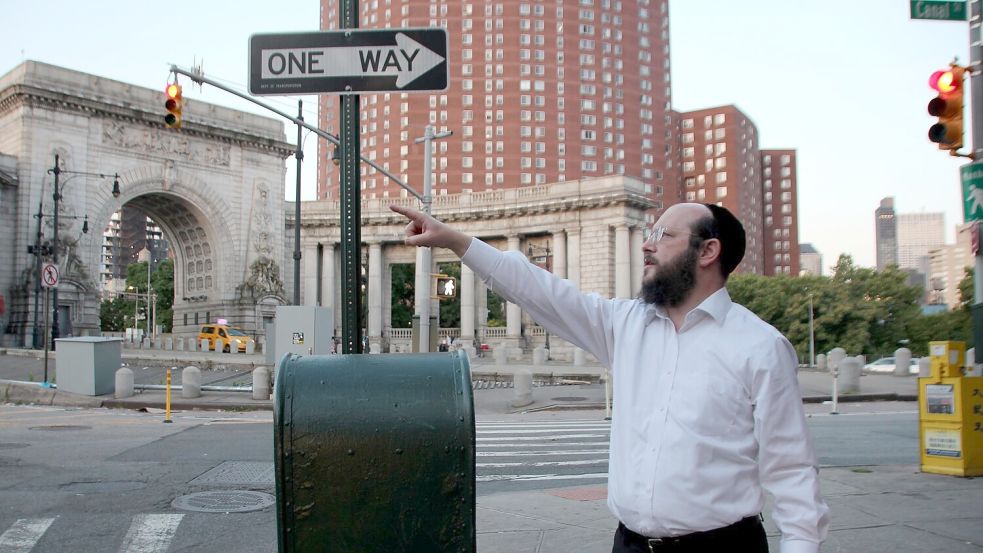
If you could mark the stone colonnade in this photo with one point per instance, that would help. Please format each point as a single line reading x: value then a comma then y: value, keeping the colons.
x: 589, y: 231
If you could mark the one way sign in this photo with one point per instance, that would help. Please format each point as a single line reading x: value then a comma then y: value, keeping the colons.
x: 348, y: 62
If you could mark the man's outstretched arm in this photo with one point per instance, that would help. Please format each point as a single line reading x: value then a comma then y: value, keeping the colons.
x: 424, y: 230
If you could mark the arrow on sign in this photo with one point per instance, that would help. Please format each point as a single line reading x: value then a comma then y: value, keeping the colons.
x: 407, y: 60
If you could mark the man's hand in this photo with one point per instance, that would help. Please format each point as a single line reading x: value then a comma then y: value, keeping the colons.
x: 424, y: 230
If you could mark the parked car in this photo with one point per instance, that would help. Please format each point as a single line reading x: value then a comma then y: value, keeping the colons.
x: 886, y: 365
x: 221, y: 336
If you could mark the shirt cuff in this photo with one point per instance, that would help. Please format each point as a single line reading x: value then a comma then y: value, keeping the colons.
x: 481, y: 258
x: 799, y: 546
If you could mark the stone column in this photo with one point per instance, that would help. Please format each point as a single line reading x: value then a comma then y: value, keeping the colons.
x: 573, y: 256
x: 467, y: 305
x: 513, y: 315
x: 560, y: 253
x: 622, y: 262
x: 311, y: 264
x: 374, y: 324
x: 327, y: 275
x: 637, y: 259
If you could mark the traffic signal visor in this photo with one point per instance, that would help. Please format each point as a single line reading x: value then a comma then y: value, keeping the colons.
x: 174, y: 102
x: 948, y: 107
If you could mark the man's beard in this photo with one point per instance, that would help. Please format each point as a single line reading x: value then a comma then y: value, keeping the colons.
x: 672, y: 282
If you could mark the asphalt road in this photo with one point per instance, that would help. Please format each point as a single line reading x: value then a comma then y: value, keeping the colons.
x: 87, y: 481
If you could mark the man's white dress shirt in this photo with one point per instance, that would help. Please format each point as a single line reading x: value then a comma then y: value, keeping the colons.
x: 706, y: 418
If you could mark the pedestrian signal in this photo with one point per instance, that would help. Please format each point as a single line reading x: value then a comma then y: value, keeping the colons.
x: 446, y: 286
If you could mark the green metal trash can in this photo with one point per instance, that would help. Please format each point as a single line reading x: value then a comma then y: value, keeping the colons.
x: 375, y: 453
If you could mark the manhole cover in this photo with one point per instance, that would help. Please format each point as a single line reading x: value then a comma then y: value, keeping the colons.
x: 570, y: 398
x: 233, y: 501
x: 60, y: 427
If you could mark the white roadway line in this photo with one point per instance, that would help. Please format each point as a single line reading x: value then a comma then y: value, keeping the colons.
x: 554, y: 438
x: 538, y: 453
x: 544, y: 431
x: 539, y: 424
x: 24, y: 534
x: 552, y: 444
x: 535, y: 477
x: 914, y: 412
x: 543, y: 464
x: 542, y: 422
x: 150, y: 533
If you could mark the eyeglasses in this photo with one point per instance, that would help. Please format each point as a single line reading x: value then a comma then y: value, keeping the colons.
x: 656, y: 233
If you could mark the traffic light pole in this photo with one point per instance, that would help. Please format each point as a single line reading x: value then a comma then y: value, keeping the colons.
x: 425, y: 257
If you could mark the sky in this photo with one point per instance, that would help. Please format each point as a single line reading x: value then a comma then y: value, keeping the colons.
x: 843, y: 82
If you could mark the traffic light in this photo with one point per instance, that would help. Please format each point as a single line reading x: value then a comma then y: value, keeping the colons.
x: 948, y: 107
x: 173, y: 103
x: 446, y: 287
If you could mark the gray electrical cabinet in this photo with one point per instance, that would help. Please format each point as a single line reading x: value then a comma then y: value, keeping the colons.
x: 302, y: 330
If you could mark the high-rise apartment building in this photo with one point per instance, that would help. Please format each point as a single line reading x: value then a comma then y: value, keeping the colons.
x: 886, y: 234
x: 781, y: 217
x: 919, y: 233
x: 721, y: 163
x: 949, y: 264
x: 129, y: 231
x: 539, y: 92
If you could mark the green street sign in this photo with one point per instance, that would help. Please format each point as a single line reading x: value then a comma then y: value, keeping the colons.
x: 972, y: 179
x: 939, y: 10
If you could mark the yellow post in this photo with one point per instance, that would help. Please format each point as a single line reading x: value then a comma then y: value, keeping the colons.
x: 167, y: 401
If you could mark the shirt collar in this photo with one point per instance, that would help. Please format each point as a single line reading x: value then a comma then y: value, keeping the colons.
x: 716, y: 306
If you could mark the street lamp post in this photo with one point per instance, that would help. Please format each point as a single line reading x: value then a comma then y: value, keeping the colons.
x: 812, y: 337
x: 56, y: 196
x: 546, y: 257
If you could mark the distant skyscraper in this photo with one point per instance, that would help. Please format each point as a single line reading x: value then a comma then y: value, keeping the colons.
x: 919, y: 233
x: 810, y: 260
x: 949, y: 265
x: 886, y: 234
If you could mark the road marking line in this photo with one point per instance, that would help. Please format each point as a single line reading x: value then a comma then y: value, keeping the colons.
x: 520, y: 453
x: 545, y: 432
x: 24, y: 534
x: 543, y: 464
x: 150, y: 533
x: 545, y: 444
x: 554, y: 438
x: 537, y: 477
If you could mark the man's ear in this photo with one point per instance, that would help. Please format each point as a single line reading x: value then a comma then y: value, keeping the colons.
x: 709, y: 252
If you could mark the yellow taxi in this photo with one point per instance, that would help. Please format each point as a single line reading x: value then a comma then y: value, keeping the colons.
x: 221, y: 336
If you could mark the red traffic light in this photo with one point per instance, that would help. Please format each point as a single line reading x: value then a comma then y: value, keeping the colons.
x: 947, y: 82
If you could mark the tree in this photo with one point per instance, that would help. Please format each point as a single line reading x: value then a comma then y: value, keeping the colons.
x: 403, y: 294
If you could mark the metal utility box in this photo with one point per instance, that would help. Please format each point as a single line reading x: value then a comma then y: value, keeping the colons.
x: 951, y: 425
x: 375, y: 453
x: 947, y: 358
x: 302, y: 330
x: 87, y: 364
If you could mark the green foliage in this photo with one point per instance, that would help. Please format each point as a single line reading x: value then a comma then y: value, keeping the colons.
x: 496, y: 310
x: 859, y: 309
x: 113, y: 314
x: 117, y: 314
x: 403, y: 290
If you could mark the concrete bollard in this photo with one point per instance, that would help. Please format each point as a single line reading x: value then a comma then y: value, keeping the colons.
x: 203, y: 344
x: 972, y: 369
x: 250, y: 348
x: 579, y: 357
x: 500, y: 354
x: 821, y: 361
x: 124, y: 383
x: 191, y: 382
x: 234, y: 346
x: 848, y: 381
x: 834, y: 357
x: 902, y: 362
x: 179, y: 344
x: 169, y: 343
x: 261, y: 383
x: 924, y: 367
x: 538, y: 356
x: 522, y: 380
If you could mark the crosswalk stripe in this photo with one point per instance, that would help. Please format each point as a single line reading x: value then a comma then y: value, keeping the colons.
x: 530, y: 438
x: 580, y: 462
x: 540, y: 477
x: 150, y: 533
x: 545, y: 431
x: 23, y: 534
x: 530, y: 453
x: 547, y: 444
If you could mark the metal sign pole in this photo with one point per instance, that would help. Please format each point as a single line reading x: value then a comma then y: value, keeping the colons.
x: 46, y: 343
x: 351, y: 235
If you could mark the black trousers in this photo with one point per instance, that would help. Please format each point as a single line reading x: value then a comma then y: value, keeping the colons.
x: 744, y: 536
